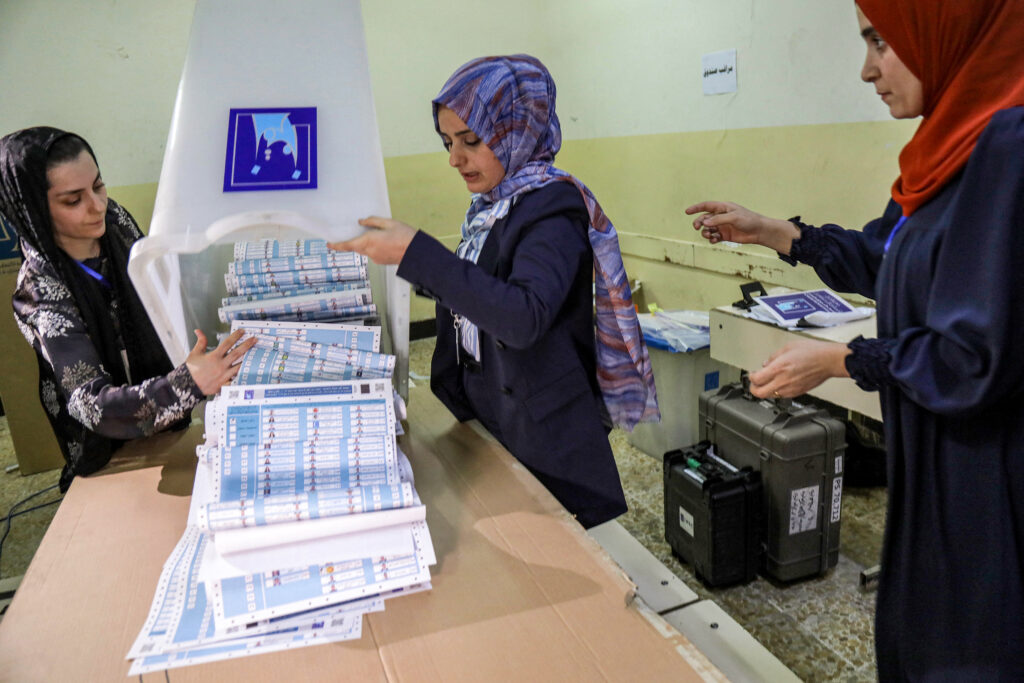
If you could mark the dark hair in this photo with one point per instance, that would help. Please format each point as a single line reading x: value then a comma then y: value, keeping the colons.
x: 67, y: 148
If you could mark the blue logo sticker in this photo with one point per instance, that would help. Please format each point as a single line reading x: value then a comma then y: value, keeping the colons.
x: 9, y: 248
x: 271, y: 149
x: 711, y: 380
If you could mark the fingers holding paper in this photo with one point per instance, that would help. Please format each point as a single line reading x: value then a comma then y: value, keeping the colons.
x: 384, y: 243
x: 798, y: 367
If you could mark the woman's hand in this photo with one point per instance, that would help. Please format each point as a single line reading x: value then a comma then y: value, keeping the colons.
x: 798, y: 367
x: 725, y: 221
x: 212, y: 370
x: 384, y: 244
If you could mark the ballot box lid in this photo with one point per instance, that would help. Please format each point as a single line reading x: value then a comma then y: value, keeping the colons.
x: 273, y: 136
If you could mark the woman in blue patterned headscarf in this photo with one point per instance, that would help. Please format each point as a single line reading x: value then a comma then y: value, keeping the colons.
x: 516, y: 343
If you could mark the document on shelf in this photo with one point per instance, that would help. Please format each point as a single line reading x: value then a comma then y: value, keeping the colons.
x: 814, y: 308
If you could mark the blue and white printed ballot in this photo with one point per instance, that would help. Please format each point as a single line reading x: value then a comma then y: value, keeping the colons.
x: 330, y: 305
x: 238, y: 600
x: 323, y: 285
x: 250, y: 283
x: 276, y: 362
x: 307, y: 466
x: 181, y: 628
x: 353, y: 337
x: 284, y: 293
x: 311, y: 352
x: 269, y: 248
x: 321, y: 261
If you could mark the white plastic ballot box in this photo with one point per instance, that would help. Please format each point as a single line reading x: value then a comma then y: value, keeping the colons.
x: 273, y: 135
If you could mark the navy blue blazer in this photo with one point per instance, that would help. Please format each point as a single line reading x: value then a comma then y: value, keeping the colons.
x: 535, y: 389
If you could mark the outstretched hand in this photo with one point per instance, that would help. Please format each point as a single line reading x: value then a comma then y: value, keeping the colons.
x: 726, y: 221
x: 798, y: 367
x: 213, y: 369
x: 384, y: 244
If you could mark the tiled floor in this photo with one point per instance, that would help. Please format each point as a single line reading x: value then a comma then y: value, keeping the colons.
x: 26, y: 530
x: 820, y: 628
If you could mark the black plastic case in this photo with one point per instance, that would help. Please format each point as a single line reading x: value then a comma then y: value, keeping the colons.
x: 713, y: 515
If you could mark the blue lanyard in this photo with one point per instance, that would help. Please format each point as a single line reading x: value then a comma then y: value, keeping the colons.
x: 96, y: 276
x: 896, y: 229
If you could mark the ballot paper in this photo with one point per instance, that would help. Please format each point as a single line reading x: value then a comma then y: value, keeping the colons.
x: 340, y: 306
x: 273, y: 281
x: 205, y: 608
x: 304, y: 451
x: 267, y: 248
x: 296, y: 291
x: 355, y: 337
x: 326, y: 259
x: 272, y: 361
x: 181, y: 628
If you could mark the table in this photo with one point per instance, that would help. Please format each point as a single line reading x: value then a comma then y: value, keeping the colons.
x: 746, y: 343
x: 519, y: 591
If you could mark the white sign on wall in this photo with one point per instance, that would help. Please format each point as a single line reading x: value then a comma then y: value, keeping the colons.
x: 719, y: 69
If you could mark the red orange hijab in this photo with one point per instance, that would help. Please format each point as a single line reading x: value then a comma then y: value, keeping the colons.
x: 969, y: 57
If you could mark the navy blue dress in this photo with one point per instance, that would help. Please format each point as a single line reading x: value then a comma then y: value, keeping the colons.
x: 949, y: 364
x: 535, y: 388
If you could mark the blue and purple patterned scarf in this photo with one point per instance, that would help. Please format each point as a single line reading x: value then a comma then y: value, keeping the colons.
x: 509, y: 102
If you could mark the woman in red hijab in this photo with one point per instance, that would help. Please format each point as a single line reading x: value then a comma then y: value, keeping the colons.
x: 944, y: 265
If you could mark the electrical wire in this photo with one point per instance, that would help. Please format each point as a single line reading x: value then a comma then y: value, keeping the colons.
x: 11, y: 514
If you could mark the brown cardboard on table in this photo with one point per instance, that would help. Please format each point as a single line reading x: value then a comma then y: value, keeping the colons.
x: 519, y: 590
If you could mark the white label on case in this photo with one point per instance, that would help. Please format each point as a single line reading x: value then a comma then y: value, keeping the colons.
x: 803, y: 509
x: 837, y: 498
x: 685, y: 520
x: 839, y: 464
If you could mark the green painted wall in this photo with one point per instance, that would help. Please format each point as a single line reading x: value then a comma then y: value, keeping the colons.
x: 837, y: 173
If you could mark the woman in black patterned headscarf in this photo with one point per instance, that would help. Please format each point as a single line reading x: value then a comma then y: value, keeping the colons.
x: 103, y: 374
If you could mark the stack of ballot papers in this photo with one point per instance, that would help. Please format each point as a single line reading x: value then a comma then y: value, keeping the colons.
x: 301, y: 280
x: 311, y: 352
x: 304, y: 513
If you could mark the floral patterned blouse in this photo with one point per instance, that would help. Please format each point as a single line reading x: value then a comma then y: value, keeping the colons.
x: 89, y: 414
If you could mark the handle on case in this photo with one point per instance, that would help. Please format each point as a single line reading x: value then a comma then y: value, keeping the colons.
x: 828, y: 475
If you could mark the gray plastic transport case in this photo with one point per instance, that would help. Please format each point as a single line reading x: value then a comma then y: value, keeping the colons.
x: 799, y: 451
